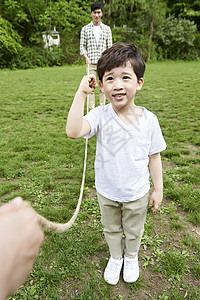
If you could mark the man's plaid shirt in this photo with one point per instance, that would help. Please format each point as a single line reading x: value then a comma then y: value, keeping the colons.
x: 88, y: 44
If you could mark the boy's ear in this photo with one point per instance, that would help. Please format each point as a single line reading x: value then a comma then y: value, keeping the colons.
x: 101, y: 86
x: 140, y: 84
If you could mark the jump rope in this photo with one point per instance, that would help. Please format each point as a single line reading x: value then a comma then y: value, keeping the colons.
x: 62, y: 227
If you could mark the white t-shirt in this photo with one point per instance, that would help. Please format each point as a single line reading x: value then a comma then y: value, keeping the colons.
x: 121, y: 163
x: 97, y: 33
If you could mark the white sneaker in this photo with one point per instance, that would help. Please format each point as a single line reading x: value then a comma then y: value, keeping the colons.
x: 131, y: 269
x: 112, y: 271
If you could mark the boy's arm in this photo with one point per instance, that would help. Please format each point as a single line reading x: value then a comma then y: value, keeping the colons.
x: 76, y: 126
x: 155, y: 166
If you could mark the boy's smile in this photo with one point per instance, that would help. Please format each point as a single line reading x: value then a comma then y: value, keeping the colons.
x: 120, y: 85
x: 119, y: 96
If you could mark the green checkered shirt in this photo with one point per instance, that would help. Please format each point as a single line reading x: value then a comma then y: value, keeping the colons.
x: 88, y: 44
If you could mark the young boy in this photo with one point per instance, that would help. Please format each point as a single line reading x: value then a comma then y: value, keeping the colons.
x: 129, y: 142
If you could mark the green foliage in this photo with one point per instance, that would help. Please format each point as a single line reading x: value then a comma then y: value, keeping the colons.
x: 141, y: 22
x: 176, y: 39
x: 30, y: 18
x: 186, y: 9
x: 159, y: 37
x: 123, y: 12
x: 10, y: 41
x: 33, y: 57
x: 15, y: 11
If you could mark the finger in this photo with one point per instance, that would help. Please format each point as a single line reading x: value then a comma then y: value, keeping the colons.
x: 17, y: 201
x: 154, y: 209
x: 93, y: 83
x: 11, y: 206
x: 92, y: 77
x: 29, y: 219
x: 151, y: 202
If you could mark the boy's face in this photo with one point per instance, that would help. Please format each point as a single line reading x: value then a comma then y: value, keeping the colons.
x: 96, y: 16
x: 120, y: 85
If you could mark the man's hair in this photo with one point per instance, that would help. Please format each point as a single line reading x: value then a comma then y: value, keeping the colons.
x: 96, y: 5
x: 118, y: 55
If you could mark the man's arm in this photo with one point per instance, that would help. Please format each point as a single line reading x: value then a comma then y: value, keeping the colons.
x: 76, y: 126
x: 87, y: 60
x: 83, y: 43
x: 155, y: 166
x: 109, y: 40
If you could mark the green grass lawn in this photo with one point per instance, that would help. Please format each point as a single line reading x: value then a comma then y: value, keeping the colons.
x: 42, y: 165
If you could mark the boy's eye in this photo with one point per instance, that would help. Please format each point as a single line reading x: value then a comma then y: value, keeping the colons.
x: 109, y: 78
x: 126, y: 77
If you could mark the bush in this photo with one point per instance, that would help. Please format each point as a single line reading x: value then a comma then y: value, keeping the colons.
x: 31, y: 57
x: 176, y: 39
x: 36, y: 57
x: 131, y: 36
x: 71, y: 50
x: 10, y: 42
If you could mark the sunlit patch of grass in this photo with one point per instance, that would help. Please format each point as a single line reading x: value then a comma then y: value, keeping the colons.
x: 174, y: 264
x: 178, y: 114
x: 176, y: 225
x: 186, y: 196
x: 175, y: 222
x: 180, y: 293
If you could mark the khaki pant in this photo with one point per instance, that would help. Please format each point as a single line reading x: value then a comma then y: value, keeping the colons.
x: 120, y: 219
x: 102, y: 98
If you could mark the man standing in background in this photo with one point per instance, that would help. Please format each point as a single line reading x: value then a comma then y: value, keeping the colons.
x: 95, y: 38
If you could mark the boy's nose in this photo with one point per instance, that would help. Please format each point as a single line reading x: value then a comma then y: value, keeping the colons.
x: 118, y: 85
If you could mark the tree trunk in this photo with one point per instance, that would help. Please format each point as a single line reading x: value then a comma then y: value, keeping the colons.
x: 107, y: 18
x: 109, y: 11
x: 34, y: 23
x: 150, y: 38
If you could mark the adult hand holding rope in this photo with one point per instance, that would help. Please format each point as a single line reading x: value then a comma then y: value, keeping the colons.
x: 20, y: 239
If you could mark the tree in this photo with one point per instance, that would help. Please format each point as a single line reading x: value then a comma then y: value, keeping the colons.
x: 155, y: 12
x: 142, y: 22
x: 176, y: 38
x: 185, y: 9
x: 10, y: 41
x: 119, y: 12
x: 141, y: 17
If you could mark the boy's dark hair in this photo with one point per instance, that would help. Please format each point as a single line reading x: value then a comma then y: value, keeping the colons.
x: 96, y: 5
x: 117, y: 56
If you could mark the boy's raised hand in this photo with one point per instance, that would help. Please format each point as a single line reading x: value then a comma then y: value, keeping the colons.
x: 88, y: 84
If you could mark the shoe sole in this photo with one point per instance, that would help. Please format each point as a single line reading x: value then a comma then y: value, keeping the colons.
x: 127, y: 280
x: 111, y: 283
